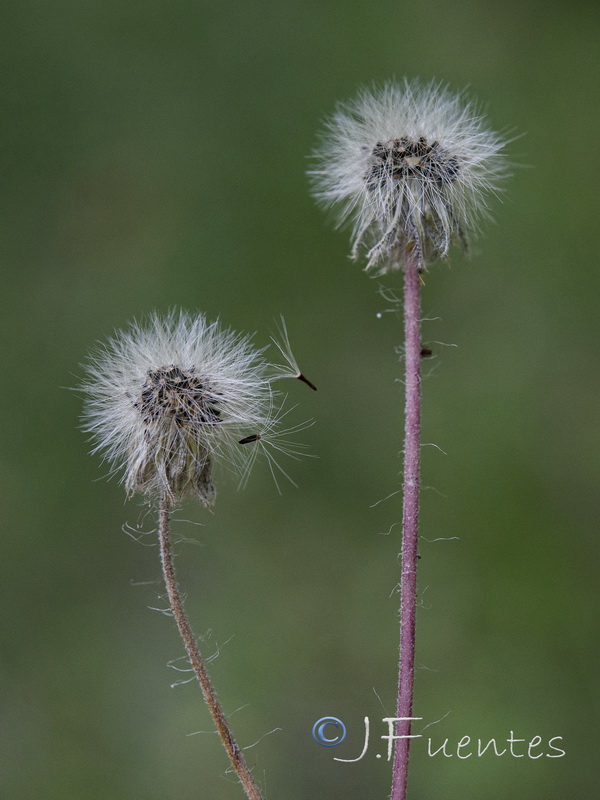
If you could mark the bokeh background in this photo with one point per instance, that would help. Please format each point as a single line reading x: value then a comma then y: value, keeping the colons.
x: 152, y: 155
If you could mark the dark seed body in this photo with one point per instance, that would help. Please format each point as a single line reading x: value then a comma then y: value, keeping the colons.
x: 178, y: 408
x: 178, y: 395
x: 403, y: 158
x: 247, y: 439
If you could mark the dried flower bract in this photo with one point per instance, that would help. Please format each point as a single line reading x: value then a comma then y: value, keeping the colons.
x: 163, y: 401
x: 410, y: 165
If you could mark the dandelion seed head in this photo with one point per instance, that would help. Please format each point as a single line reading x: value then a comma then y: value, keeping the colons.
x: 410, y: 165
x: 164, y: 401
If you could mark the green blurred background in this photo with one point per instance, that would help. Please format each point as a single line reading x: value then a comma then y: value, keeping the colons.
x: 152, y: 155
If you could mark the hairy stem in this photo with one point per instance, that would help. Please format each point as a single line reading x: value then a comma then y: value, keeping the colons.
x: 410, y: 521
x: 233, y: 751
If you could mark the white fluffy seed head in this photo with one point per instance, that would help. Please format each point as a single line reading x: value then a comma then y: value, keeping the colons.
x: 410, y: 165
x: 164, y: 400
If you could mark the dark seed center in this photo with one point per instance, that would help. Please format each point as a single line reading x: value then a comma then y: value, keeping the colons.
x: 402, y: 158
x: 178, y: 395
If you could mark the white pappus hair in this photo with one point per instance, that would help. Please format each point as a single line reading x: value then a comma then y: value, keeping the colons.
x: 410, y: 165
x: 163, y: 400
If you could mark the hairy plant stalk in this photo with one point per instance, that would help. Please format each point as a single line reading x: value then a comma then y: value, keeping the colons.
x: 233, y: 751
x: 410, y: 520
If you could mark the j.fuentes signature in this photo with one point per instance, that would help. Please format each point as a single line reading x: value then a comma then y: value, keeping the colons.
x: 331, y: 731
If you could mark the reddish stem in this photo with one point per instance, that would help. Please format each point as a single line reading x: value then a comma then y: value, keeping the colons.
x: 233, y: 750
x: 410, y: 521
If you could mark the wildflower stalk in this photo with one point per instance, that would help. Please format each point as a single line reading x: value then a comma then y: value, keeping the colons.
x: 208, y: 690
x: 410, y: 519
x: 409, y: 165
